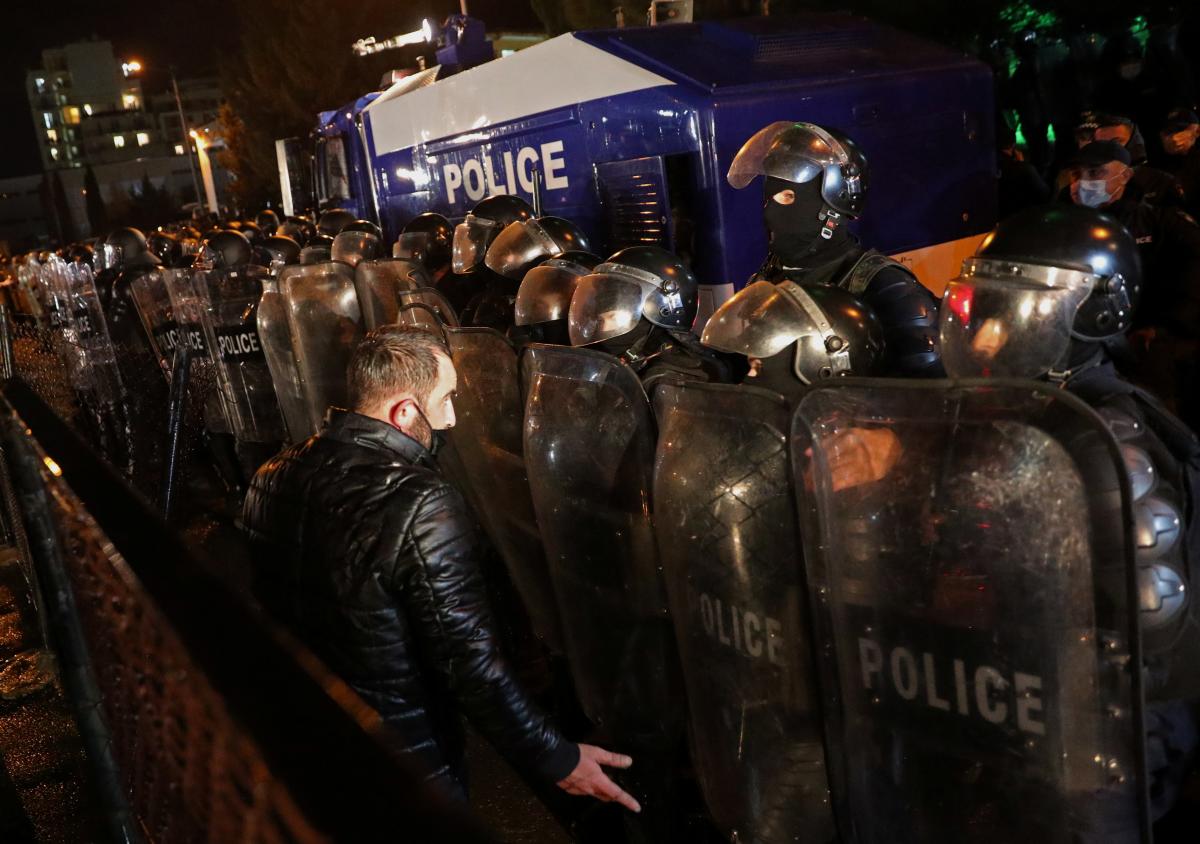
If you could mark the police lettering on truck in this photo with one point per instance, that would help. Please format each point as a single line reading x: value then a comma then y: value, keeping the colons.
x: 481, y: 177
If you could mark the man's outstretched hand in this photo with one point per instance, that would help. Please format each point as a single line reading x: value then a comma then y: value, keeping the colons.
x: 589, y: 780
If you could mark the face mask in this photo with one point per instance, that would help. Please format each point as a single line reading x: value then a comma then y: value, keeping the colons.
x: 1093, y: 193
x: 795, y: 229
x: 437, y: 437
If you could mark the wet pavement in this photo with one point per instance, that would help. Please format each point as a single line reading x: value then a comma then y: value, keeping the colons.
x: 43, y: 793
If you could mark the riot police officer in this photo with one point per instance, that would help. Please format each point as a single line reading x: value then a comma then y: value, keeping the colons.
x: 267, y: 221
x: 428, y: 239
x: 225, y: 248
x: 475, y: 234
x: 544, y: 298
x: 639, y: 306
x: 278, y: 251
x: 815, y: 181
x: 125, y: 257
x: 317, y: 250
x: 491, y: 301
x: 524, y: 244
x: 333, y: 221
x: 795, y: 335
x: 359, y: 240
x: 1039, y: 300
x: 1182, y: 154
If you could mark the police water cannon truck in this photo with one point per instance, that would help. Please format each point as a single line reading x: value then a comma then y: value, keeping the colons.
x: 629, y: 132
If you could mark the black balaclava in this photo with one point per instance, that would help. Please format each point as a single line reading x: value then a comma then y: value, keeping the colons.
x: 795, y: 230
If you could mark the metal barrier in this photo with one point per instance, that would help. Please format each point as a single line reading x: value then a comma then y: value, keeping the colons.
x: 203, y: 721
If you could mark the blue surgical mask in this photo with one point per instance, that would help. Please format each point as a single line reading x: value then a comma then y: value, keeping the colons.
x: 1093, y: 193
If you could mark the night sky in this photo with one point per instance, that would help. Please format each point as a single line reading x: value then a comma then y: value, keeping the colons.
x: 191, y: 34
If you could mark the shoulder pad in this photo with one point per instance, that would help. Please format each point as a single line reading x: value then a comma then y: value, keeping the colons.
x: 1162, y: 595
x: 1142, y: 475
x: 866, y: 268
x: 1156, y: 528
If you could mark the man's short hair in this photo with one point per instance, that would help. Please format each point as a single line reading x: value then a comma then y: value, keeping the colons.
x: 393, y: 359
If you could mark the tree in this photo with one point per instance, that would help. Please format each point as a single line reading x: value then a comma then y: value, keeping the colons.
x: 97, y: 213
x: 295, y: 61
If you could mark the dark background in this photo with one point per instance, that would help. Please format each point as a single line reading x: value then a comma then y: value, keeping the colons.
x: 282, y: 61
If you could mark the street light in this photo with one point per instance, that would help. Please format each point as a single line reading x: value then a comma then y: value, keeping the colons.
x: 134, y: 66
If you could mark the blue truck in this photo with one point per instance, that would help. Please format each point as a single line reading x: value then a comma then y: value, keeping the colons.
x: 629, y: 132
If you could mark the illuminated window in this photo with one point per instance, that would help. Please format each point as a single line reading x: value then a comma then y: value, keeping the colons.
x: 48, y: 119
x: 179, y: 149
x: 51, y: 135
x: 129, y: 101
x: 143, y: 138
x: 54, y: 153
x: 118, y: 141
x: 41, y: 84
x: 71, y: 115
x: 87, y: 109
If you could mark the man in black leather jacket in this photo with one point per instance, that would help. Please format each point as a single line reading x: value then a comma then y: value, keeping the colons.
x: 370, y: 555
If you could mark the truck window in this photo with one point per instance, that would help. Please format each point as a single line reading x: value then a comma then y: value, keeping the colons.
x: 333, y: 176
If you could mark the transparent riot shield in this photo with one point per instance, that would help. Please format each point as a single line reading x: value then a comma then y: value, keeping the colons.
x: 189, y: 306
x: 589, y: 450
x: 379, y: 282
x: 231, y: 331
x: 425, y: 308
x: 276, y: 336
x: 974, y: 599
x: 326, y: 324
x: 87, y: 354
x: 487, y: 447
x: 154, y: 307
x: 725, y: 517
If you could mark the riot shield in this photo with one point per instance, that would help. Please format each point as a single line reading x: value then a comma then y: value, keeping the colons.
x: 153, y: 304
x: 379, y: 282
x: 589, y: 450
x: 231, y: 331
x: 189, y: 306
x: 276, y: 336
x: 90, y: 358
x: 326, y: 324
x: 974, y: 600
x: 87, y: 354
x: 425, y: 308
x: 725, y: 518
x: 486, y: 441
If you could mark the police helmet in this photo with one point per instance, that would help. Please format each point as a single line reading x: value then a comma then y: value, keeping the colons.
x: 832, y: 332
x: 332, y: 221
x: 640, y: 282
x: 800, y: 152
x: 360, y: 240
x: 317, y: 250
x: 426, y: 238
x: 525, y: 243
x: 226, y: 248
x: 474, y: 235
x: 281, y: 249
x: 165, y: 247
x: 1042, y: 278
x: 546, y: 290
x: 268, y: 221
x: 127, y: 247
